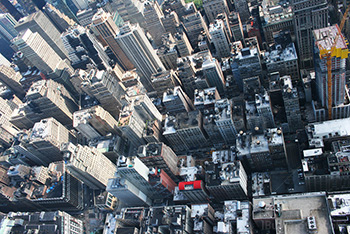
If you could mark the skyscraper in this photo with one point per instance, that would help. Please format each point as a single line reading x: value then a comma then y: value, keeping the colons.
x: 144, y: 106
x: 194, y: 26
x: 81, y: 4
x: 291, y: 104
x: 38, y: 51
x: 45, y: 141
x: 104, y: 24
x: 137, y: 47
x: 175, y: 100
x: 212, y: 72
x: 224, y: 120
x: 4, y: 61
x: 60, y: 20
x: 214, y: 7
x: 134, y: 170
x: 128, y: 193
x: 131, y: 125
x: 7, y: 130
x: 81, y: 49
x: 308, y: 15
x: 170, y: 21
x: 185, y: 131
x: 104, y: 86
x: 264, y: 109
x: 11, y: 79
x: 160, y: 156
x: 129, y: 10
x: 220, y: 38
x: 183, y: 45
x: 242, y: 8
x: 28, y: 6
x: 324, y: 39
x: 88, y: 165
x: 66, y: 7
x: 226, y: 181
x: 40, y: 23
x: 152, y: 14
x: 85, y: 16
x: 7, y: 26
x: 94, y: 122
x: 236, y: 26
x: 44, y: 99
x: 164, y: 80
x: 7, y: 7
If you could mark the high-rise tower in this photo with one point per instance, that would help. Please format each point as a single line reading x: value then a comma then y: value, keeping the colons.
x: 40, y: 23
x: 136, y: 46
x: 324, y: 39
x: 104, y: 24
x: 152, y: 14
x: 35, y: 48
x: 214, y: 7
x: 220, y: 38
x: 7, y: 26
x: 88, y: 165
x: 308, y: 15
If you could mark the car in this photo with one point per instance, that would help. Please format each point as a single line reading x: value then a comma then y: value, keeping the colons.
x: 301, y: 182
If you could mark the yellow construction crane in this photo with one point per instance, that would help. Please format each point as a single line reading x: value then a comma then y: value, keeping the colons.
x: 328, y: 54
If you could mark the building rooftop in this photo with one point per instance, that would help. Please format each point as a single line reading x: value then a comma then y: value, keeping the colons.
x: 275, y: 11
x: 325, y: 38
x: 125, y: 116
x: 173, y: 218
x: 151, y: 150
x: 247, y: 53
x: 205, y: 97
x: 41, y: 183
x: 317, y: 132
x: 238, y: 211
x: 172, y: 94
x: 259, y: 144
x: 312, y: 152
x: 250, y: 109
x: 288, y: 90
x: 280, y: 54
x: 339, y: 204
x: 198, y: 60
x: 261, y: 184
x: 230, y: 172
x: 222, y: 156
x: 216, y: 25
x: 223, y: 110
x: 189, y: 173
x: 182, y: 121
x: 302, y: 213
x: 274, y: 136
x: 39, y: 222
x: 243, y: 143
x: 41, y: 129
x: 223, y: 173
x: 262, y: 100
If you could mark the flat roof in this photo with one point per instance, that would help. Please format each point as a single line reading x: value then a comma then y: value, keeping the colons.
x: 295, y: 209
x: 337, y: 127
x: 325, y: 38
x: 312, y: 152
